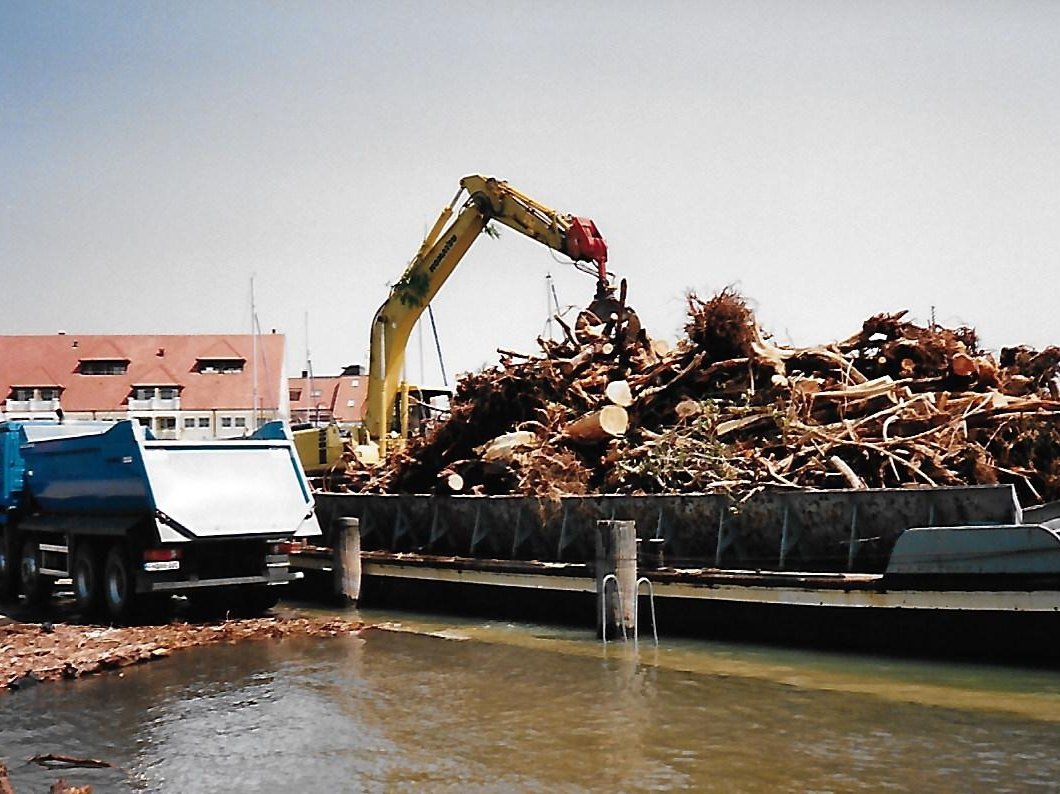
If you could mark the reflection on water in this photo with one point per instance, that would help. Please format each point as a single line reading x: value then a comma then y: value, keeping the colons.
x: 525, y: 708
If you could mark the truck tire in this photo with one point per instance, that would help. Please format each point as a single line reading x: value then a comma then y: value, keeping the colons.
x: 36, y: 586
x: 8, y: 569
x: 88, y: 579
x: 119, y: 584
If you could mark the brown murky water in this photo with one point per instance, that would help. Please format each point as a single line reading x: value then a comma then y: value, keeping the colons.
x: 476, y: 706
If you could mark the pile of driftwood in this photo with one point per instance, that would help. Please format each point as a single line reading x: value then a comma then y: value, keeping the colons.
x: 31, y: 653
x: 606, y: 410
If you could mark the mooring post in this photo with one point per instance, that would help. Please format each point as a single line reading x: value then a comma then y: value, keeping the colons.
x: 616, y: 553
x: 347, y: 560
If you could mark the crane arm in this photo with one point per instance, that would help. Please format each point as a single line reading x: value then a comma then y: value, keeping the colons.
x: 440, y: 253
x: 576, y: 237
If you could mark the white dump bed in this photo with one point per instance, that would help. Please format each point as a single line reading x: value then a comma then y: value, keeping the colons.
x: 228, y: 489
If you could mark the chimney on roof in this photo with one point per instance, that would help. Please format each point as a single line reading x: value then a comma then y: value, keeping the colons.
x: 62, y: 333
x: 305, y: 373
x: 274, y: 330
x: 161, y: 352
x: 74, y: 343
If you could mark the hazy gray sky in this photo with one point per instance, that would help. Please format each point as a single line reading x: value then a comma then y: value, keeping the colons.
x: 831, y: 160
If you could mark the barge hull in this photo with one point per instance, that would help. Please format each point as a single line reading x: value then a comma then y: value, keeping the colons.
x: 1014, y: 625
x: 934, y: 570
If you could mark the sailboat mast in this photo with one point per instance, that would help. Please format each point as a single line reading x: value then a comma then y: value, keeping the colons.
x: 314, y: 404
x: 254, y: 366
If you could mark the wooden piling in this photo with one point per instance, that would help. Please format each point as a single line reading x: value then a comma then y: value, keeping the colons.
x: 347, y: 561
x: 616, y: 553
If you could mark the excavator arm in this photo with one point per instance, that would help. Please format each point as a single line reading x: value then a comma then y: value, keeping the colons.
x: 441, y: 251
x: 576, y: 237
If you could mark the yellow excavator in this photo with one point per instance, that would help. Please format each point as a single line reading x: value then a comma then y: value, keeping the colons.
x: 480, y: 199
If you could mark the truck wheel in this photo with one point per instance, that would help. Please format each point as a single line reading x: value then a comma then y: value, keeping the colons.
x: 36, y: 586
x: 119, y: 584
x: 8, y: 569
x: 88, y: 586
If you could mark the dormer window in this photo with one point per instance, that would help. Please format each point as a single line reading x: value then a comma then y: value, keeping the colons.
x: 26, y: 393
x: 219, y: 366
x: 103, y: 366
x: 142, y: 392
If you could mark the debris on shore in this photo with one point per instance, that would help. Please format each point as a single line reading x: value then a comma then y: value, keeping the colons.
x: 52, y: 760
x: 60, y: 786
x: 608, y: 410
x: 31, y: 653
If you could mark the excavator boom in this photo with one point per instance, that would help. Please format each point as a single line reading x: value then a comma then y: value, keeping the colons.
x: 576, y: 237
x: 442, y: 249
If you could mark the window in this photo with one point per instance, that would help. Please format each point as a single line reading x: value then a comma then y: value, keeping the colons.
x: 204, y: 421
x: 144, y: 393
x: 189, y: 421
x: 315, y: 393
x: 99, y: 366
x: 219, y: 366
x: 295, y: 395
x: 226, y: 421
x: 145, y: 421
x: 25, y: 393
x: 240, y: 421
x: 167, y: 393
x: 167, y: 423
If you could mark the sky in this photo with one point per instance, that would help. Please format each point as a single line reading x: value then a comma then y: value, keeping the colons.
x: 829, y: 160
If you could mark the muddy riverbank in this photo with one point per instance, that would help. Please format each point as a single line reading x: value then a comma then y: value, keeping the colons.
x: 32, y: 652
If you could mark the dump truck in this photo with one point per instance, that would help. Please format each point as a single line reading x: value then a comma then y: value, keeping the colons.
x: 132, y: 520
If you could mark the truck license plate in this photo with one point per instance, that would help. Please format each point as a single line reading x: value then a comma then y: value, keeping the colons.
x: 162, y: 565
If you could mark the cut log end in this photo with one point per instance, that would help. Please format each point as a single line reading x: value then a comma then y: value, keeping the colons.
x: 451, y: 481
x: 609, y: 422
x: 618, y: 392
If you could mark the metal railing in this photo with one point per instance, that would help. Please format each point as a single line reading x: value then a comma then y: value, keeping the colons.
x: 636, y: 609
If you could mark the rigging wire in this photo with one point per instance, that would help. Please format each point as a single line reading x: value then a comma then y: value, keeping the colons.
x: 554, y: 310
x: 437, y: 346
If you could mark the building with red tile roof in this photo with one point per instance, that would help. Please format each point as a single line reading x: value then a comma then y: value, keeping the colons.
x: 320, y: 399
x: 181, y: 386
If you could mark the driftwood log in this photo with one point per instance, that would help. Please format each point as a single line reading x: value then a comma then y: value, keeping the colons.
x: 610, y: 421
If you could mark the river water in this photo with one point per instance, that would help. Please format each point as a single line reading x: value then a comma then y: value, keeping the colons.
x: 458, y: 705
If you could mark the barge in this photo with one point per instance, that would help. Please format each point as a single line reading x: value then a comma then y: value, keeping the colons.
x: 935, y: 570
